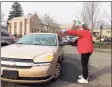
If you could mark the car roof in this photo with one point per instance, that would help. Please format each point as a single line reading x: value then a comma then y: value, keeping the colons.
x: 5, y: 31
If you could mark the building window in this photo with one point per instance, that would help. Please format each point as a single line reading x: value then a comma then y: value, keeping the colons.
x: 25, y: 21
x: 25, y: 26
x: 32, y: 30
x: 42, y: 26
x: 15, y: 27
x: 35, y: 29
x: 10, y: 27
x: 21, y: 27
x: 38, y: 25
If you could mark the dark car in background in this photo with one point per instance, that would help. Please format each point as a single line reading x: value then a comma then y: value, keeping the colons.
x: 6, y: 37
x: 65, y: 41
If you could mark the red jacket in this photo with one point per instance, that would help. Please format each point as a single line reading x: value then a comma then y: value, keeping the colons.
x: 85, y: 42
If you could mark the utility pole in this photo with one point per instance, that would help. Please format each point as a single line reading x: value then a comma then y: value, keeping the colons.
x: 92, y: 14
x: 101, y: 27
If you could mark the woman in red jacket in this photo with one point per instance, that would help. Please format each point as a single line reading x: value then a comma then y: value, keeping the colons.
x: 85, y: 48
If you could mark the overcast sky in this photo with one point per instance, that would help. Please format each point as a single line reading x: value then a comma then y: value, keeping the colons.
x: 62, y: 12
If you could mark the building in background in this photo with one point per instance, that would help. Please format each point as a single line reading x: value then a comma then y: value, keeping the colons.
x: 31, y: 23
x: 106, y: 31
x: 47, y: 28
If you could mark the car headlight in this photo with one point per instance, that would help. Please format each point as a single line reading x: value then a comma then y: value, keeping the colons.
x: 49, y: 57
x: 45, y: 58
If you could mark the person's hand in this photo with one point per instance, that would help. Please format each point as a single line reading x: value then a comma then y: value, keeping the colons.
x: 63, y: 31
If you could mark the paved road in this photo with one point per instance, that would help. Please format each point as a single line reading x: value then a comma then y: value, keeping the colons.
x: 99, y: 68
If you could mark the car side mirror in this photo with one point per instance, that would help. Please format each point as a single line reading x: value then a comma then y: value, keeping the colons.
x: 61, y: 44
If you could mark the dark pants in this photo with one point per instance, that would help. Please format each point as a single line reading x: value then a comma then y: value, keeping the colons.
x: 84, y: 62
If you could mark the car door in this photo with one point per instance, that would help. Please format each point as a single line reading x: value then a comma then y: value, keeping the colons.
x: 60, y: 50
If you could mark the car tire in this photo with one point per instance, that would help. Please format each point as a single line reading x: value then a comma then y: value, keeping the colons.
x: 58, y: 71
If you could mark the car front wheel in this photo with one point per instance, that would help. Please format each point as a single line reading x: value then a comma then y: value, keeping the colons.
x: 58, y: 71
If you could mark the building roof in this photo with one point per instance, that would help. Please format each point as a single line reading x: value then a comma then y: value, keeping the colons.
x: 19, y: 18
x: 66, y: 26
x: 31, y: 15
x: 106, y: 26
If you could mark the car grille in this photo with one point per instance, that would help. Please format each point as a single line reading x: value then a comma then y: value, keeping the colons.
x: 3, y: 65
x: 16, y: 60
x: 28, y: 61
x: 34, y: 78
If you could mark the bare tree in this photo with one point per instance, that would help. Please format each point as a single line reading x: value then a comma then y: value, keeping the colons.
x: 48, y: 19
x: 89, y: 13
x: 105, y: 14
x: 50, y: 22
x: 2, y: 18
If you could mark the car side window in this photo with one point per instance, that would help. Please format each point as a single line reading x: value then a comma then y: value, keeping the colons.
x: 4, y: 34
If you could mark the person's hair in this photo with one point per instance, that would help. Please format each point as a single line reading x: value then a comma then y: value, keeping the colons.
x: 85, y: 27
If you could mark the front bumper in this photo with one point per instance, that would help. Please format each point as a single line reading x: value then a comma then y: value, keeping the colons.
x: 26, y: 81
x: 37, y: 74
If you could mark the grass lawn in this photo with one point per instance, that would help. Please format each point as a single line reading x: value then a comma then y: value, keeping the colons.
x: 102, y: 44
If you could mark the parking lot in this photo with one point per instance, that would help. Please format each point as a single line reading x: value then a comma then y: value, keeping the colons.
x: 99, y: 69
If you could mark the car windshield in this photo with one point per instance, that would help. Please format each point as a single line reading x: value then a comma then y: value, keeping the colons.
x: 38, y: 39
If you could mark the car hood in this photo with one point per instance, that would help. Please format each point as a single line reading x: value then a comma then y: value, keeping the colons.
x: 25, y: 51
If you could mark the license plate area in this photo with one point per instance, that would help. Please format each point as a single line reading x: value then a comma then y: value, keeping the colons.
x: 10, y: 74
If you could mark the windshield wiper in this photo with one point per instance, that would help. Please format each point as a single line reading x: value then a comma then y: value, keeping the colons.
x: 19, y: 43
x: 37, y: 44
